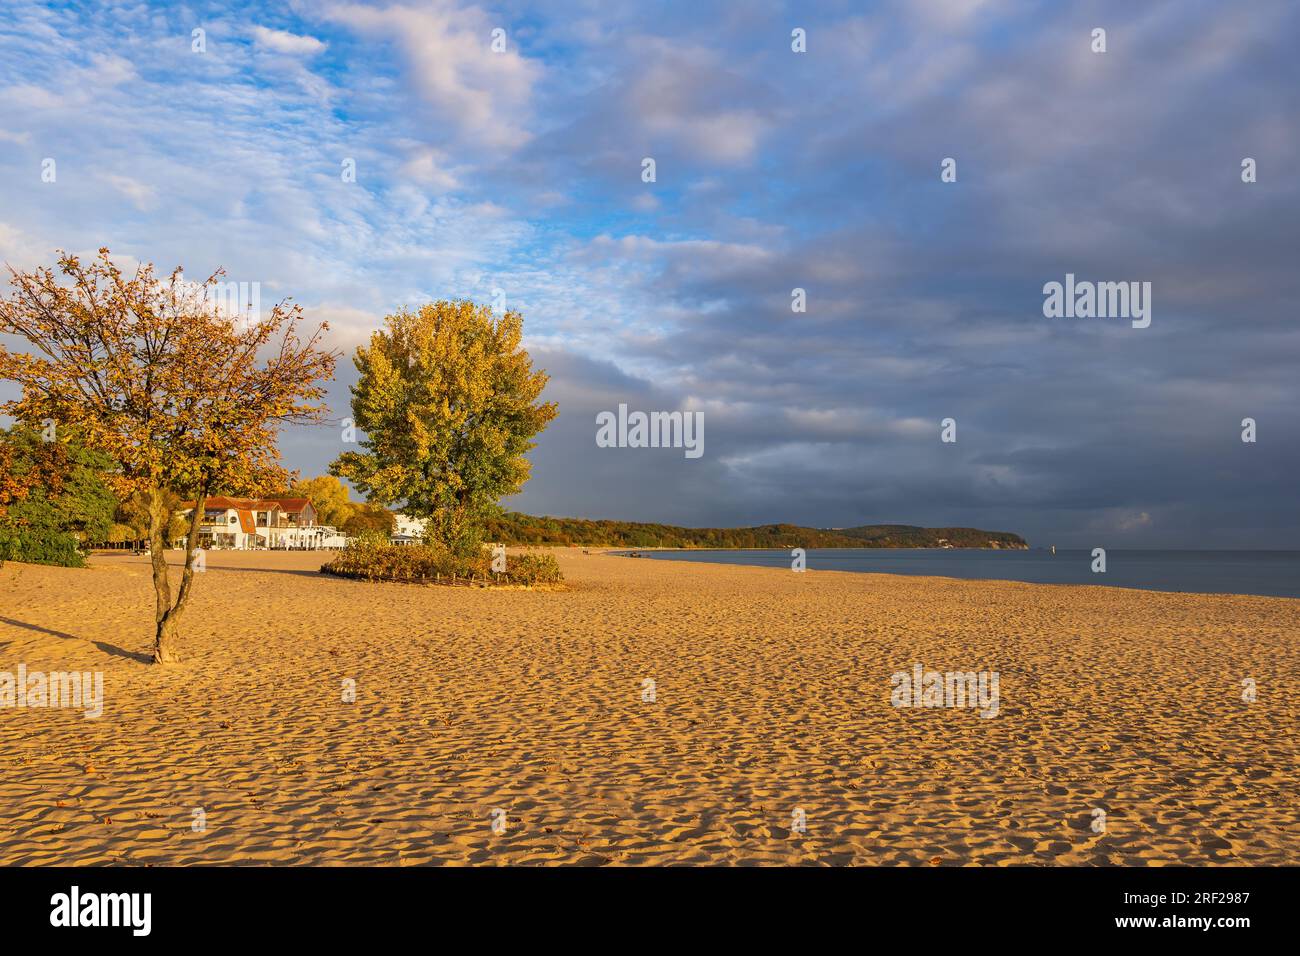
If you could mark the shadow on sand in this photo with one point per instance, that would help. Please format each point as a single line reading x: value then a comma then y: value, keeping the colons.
x: 310, y: 574
x: 110, y: 649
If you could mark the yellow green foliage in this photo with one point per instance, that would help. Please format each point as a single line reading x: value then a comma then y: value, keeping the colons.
x: 328, y: 496
x: 448, y: 401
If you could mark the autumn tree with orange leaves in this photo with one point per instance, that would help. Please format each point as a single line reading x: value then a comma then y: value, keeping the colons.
x: 181, y: 394
x: 13, y: 486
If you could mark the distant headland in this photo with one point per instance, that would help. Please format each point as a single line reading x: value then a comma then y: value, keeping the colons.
x: 521, y: 529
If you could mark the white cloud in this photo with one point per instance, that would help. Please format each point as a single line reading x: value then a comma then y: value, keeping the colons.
x: 725, y: 137
x: 19, y: 249
x: 950, y: 14
x: 141, y: 194
x: 79, y: 85
x: 480, y: 94
x: 348, y: 326
x: 680, y: 97
x: 429, y: 167
x: 282, y: 41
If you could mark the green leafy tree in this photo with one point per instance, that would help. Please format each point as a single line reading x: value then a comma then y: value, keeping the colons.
x: 66, y: 505
x: 449, y: 403
x: 369, y: 520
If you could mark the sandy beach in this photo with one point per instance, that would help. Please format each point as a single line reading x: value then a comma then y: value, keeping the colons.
x: 771, y: 694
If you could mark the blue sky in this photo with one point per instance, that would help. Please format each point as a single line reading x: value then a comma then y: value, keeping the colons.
x: 521, y: 171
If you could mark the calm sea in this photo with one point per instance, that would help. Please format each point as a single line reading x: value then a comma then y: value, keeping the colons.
x: 1275, y: 573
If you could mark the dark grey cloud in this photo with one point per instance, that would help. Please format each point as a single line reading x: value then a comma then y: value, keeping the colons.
x: 925, y: 298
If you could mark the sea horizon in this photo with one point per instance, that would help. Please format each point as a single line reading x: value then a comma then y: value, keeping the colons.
x: 1251, y: 572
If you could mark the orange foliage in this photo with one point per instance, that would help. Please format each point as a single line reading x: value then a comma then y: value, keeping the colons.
x: 179, y: 393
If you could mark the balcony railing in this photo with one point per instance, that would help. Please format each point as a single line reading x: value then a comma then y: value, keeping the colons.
x: 281, y: 525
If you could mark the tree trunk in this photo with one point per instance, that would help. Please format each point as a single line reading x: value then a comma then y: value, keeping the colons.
x: 166, y: 640
x: 167, y: 615
x: 164, y: 636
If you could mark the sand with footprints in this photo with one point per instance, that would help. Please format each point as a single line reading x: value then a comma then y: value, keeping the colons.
x: 530, y: 710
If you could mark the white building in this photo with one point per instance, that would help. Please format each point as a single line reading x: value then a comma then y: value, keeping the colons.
x: 408, y: 530
x: 251, y: 523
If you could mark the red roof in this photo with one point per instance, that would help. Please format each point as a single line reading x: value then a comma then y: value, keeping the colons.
x: 219, y: 502
x: 291, y: 504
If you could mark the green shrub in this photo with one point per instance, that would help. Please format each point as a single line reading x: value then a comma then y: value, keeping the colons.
x: 32, y: 532
x: 39, y: 545
x: 537, y: 567
x: 375, y: 560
